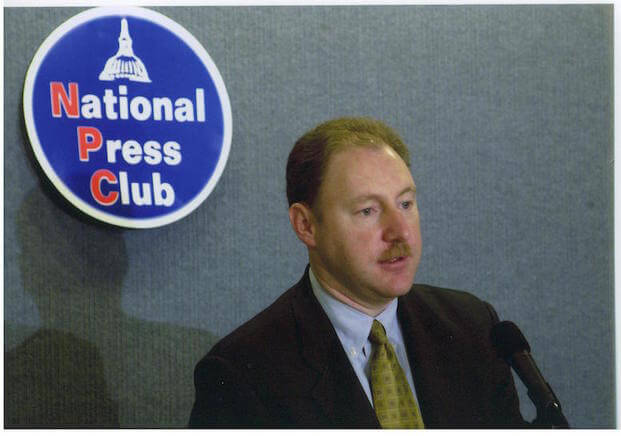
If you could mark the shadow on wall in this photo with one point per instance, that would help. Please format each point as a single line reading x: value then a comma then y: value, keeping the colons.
x: 89, y: 365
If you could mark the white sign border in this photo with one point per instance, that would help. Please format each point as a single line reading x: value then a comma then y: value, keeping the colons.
x: 199, y: 50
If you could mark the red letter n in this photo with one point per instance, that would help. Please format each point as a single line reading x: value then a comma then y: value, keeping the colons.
x: 59, y: 97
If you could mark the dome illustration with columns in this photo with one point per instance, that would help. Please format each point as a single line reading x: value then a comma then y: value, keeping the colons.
x: 125, y: 64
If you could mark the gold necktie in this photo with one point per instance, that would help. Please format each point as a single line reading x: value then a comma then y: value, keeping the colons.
x: 394, y: 403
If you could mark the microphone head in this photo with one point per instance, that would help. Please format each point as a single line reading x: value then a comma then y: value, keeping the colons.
x: 508, y: 339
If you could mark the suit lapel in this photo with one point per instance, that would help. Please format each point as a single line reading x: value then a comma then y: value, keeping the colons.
x: 434, y: 363
x: 337, y: 389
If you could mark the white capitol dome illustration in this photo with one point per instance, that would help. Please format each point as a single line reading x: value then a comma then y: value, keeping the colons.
x: 125, y: 64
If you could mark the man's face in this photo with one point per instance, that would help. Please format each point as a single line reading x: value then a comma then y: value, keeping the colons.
x: 367, y: 233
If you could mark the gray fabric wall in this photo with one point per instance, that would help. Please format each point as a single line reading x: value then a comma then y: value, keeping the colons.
x: 507, y: 111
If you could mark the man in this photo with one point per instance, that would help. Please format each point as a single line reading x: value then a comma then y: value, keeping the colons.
x: 354, y: 344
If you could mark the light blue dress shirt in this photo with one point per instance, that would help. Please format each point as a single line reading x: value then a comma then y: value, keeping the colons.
x: 353, y: 327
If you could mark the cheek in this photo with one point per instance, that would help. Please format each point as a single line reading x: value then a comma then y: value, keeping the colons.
x: 415, y: 229
x: 365, y: 245
x: 416, y: 236
x: 353, y: 240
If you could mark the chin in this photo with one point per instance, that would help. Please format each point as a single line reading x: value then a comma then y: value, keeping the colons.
x: 397, y: 278
x: 402, y: 286
x: 402, y: 291
x: 394, y: 290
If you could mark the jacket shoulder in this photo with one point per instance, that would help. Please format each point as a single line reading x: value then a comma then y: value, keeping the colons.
x: 441, y: 295
x: 455, y: 326
x: 451, y: 302
x: 457, y: 312
x: 269, y: 327
x: 236, y: 381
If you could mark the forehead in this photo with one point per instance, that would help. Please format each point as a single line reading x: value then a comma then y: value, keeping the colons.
x: 360, y: 169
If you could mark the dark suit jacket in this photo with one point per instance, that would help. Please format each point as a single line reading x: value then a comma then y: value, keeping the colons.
x: 286, y: 367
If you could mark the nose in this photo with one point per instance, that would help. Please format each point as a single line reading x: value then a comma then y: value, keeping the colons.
x: 396, y: 226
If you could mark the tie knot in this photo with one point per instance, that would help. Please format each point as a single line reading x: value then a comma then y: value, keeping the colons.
x: 378, y: 333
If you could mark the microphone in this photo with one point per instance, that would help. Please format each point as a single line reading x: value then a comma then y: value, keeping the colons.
x: 513, y: 347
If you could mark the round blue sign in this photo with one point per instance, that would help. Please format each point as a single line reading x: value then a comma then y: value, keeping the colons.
x: 128, y: 116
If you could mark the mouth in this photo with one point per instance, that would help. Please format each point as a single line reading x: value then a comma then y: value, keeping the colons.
x: 393, y: 260
x: 395, y: 264
x: 396, y: 255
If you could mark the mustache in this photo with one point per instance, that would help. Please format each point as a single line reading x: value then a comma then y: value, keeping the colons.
x: 398, y: 250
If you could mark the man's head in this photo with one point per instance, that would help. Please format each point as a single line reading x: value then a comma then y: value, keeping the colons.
x: 311, y: 153
x: 353, y: 204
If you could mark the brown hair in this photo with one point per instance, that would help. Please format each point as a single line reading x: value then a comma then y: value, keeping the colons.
x: 311, y: 153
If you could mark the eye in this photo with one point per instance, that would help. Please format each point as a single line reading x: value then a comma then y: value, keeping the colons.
x: 407, y: 204
x: 366, y: 211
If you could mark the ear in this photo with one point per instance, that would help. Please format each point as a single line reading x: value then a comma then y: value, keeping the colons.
x: 303, y: 223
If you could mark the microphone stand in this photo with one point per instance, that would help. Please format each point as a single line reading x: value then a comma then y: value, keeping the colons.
x: 549, y: 415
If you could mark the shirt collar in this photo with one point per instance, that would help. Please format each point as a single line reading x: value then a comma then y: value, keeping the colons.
x: 351, y: 325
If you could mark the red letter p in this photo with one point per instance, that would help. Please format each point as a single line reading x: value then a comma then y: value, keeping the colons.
x: 89, y: 139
